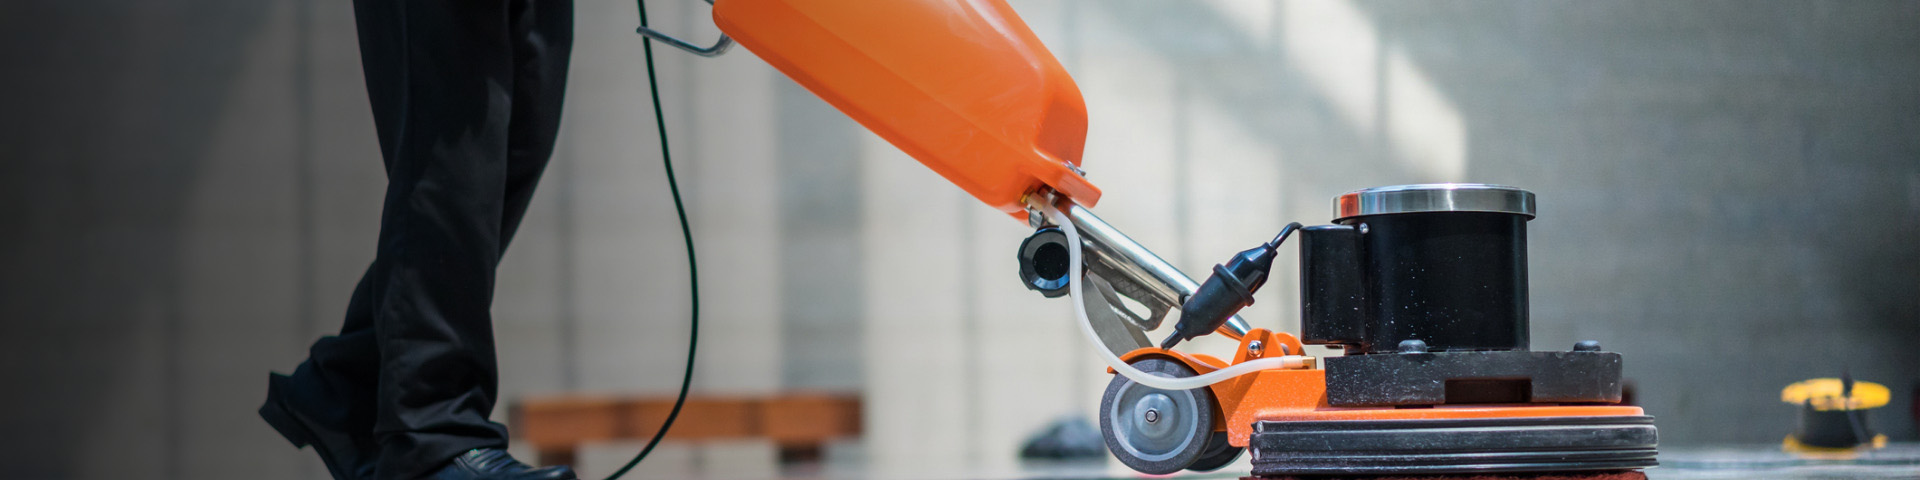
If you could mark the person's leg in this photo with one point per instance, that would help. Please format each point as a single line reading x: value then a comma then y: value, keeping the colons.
x: 335, y: 389
x: 440, y: 77
x: 328, y: 401
x: 542, y: 33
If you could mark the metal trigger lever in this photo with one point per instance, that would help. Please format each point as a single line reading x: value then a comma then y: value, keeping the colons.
x: 718, y: 47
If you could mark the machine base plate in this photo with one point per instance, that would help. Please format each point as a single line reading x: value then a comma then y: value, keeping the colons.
x: 1473, y: 378
x: 1557, y: 445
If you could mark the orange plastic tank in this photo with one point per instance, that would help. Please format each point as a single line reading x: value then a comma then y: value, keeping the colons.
x: 961, y: 85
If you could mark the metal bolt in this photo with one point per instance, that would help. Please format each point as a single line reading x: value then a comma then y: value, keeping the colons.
x: 1152, y: 415
x: 1587, y: 346
x: 1413, y: 345
x: 1254, y: 348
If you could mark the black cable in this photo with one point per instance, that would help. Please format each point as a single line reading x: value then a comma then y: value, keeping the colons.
x: 693, y: 270
x: 1854, y: 421
x: 1285, y: 232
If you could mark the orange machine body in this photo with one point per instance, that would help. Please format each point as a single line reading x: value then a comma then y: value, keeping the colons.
x: 963, y: 86
x: 1301, y: 394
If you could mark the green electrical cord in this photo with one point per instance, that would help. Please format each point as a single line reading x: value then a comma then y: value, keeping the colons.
x: 693, y: 270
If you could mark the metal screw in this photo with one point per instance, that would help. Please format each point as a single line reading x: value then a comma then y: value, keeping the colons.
x: 1254, y: 348
x: 1152, y: 415
x: 1587, y: 346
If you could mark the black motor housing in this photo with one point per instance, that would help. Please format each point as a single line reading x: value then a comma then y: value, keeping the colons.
x: 1426, y: 288
x: 1454, y: 280
x: 1442, y: 264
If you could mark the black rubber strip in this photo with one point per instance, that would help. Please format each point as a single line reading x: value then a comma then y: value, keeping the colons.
x: 1493, y: 445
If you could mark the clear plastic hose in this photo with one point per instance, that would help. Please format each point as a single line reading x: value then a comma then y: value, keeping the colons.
x: 1144, y: 378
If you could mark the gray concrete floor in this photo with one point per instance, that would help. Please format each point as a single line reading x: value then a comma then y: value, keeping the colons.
x: 1898, y: 460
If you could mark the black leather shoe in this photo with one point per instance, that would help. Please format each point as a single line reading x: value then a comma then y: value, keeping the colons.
x: 496, y: 464
x: 347, y: 458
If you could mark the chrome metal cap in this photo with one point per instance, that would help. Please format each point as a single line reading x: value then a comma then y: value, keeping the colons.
x: 1433, y: 197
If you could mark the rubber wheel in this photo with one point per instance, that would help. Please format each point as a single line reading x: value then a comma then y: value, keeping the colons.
x: 1156, y: 431
x: 1218, y: 454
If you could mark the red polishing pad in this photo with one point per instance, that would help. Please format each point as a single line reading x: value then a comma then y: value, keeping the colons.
x: 1626, y: 475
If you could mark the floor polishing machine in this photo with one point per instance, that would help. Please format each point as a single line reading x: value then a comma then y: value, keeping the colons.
x: 1424, y: 287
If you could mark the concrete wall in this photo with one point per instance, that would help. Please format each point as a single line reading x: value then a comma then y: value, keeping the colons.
x: 1730, y: 195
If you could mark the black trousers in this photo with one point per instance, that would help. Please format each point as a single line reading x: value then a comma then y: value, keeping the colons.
x: 466, y: 98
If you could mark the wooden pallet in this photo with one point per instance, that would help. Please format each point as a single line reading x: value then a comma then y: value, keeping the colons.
x: 799, y: 424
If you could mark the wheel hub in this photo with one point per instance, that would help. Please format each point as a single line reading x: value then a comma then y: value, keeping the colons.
x: 1149, y: 407
x: 1154, y: 424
